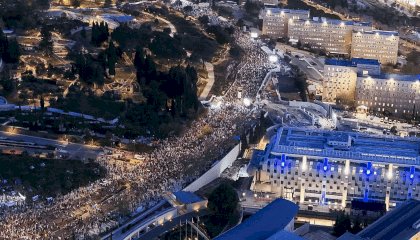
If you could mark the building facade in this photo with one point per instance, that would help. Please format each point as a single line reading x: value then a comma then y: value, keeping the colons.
x: 375, y: 44
x: 275, y: 20
x: 333, y: 36
x: 340, y: 76
x: 393, y: 94
x: 329, y: 169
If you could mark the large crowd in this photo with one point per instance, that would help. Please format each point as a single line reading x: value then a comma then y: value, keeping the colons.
x: 87, y: 211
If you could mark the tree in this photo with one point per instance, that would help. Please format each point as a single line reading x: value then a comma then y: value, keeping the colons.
x: 253, y: 8
x: 46, y: 43
x: 42, y: 103
x: 357, y: 226
x: 43, y: 3
x: 7, y: 84
x: 75, y: 3
x: 83, y: 32
x: 188, y: 8
x: 342, y: 224
x: 107, y: 3
x: 222, y: 204
x: 112, y: 58
x: 12, y: 52
x: 139, y: 64
x: 100, y: 33
x: 204, y: 19
x: 223, y: 201
x: 394, y: 130
x: 164, y: 46
x: 3, y: 43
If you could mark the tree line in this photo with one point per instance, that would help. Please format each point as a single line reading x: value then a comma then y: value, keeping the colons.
x: 170, y: 96
x: 9, y: 49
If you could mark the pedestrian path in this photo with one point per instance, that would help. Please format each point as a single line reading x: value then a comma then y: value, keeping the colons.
x: 210, y: 81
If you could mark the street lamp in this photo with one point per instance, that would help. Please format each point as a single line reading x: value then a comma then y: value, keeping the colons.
x: 247, y: 102
x: 273, y: 58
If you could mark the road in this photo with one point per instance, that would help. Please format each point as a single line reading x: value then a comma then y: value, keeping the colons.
x: 310, y: 65
x: 75, y: 150
x: 171, y: 26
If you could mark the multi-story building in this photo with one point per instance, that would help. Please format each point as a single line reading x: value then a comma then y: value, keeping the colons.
x: 330, y: 168
x: 375, y: 44
x: 333, y: 36
x: 275, y: 20
x: 393, y: 94
x: 340, y: 76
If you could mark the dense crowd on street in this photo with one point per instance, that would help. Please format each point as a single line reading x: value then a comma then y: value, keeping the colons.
x: 91, y: 210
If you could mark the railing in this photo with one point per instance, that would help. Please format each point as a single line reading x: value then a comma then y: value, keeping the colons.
x: 159, y: 218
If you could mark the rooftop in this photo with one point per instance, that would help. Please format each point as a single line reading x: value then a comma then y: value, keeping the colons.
x: 351, y: 63
x: 397, y: 77
x: 380, y: 32
x: 280, y: 10
x: 119, y: 18
x: 265, y: 223
x: 363, y: 147
x: 400, y: 223
x: 187, y: 197
x: 335, y: 22
x: 284, y: 235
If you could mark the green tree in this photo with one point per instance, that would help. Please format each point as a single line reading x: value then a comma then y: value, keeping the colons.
x: 342, y: 224
x: 42, y: 103
x: 223, y: 201
x: 12, y: 53
x: 357, y: 226
x: 83, y: 32
x: 7, y: 84
x: 112, y: 58
x: 75, y: 3
x: 222, y: 204
x: 107, y: 3
x: 46, y: 43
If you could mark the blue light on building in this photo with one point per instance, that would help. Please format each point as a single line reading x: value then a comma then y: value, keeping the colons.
x: 325, y: 167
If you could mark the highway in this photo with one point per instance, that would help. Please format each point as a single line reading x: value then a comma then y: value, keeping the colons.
x: 313, y: 73
x: 76, y: 150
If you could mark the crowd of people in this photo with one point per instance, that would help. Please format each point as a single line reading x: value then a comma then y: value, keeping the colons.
x: 90, y: 210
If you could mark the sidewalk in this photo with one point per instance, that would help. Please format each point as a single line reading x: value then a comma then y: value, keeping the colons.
x: 210, y: 81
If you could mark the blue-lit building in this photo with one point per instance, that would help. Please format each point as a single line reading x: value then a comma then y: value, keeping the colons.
x: 329, y: 169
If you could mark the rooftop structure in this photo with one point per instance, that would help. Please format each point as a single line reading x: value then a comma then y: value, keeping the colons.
x: 352, y: 62
x: 381, y: 33
x: 285, y: 11
x: 275, y: 217
x: 186, y: 201
x: 348, y: 145
x: 187, y: 197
